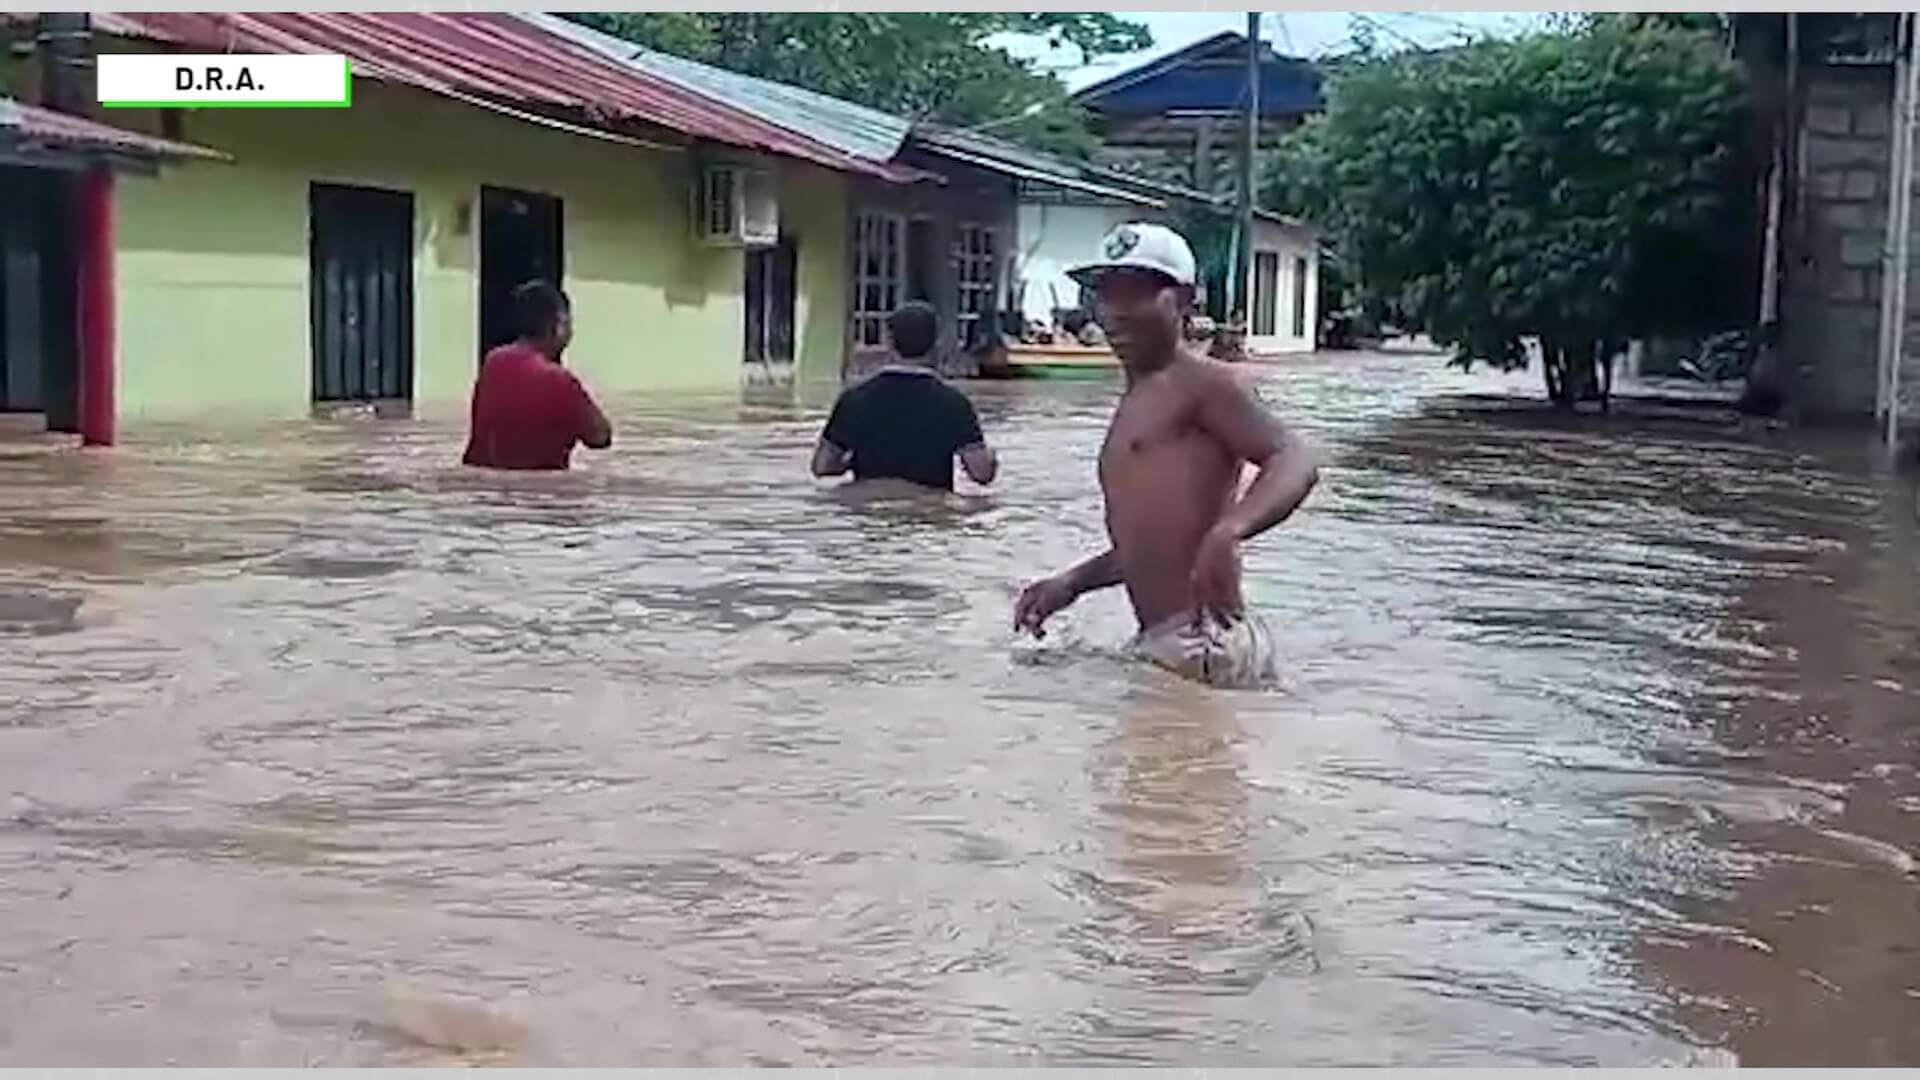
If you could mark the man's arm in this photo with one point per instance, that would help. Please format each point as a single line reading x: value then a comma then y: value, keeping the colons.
x: 1042, y: 599
x: 599, y: 433
x: 830, y: 455
x: 1100, y: 572
x: 976, y: 457
x: 595, y: 433
x: 829, y: 459
x: 1288, y: 467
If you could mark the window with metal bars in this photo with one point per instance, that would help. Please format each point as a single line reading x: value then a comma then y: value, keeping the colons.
x: 975, y: 266
x: 879, y: 273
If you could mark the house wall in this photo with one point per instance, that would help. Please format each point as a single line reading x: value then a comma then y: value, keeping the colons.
x: 1288, y: 245
x: 1052, y: 237
x: 1200, y: 152
x: 213, y: 259
x: 813, y: 210
x: 1831, y: 306
x: 969, y: 196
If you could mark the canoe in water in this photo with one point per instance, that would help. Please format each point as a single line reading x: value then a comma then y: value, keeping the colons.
x: 1059, y: 362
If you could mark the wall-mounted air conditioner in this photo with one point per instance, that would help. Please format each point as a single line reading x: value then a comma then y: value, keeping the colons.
x: 737, y: 206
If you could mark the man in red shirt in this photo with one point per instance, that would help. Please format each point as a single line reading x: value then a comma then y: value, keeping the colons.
x: 528, y: 410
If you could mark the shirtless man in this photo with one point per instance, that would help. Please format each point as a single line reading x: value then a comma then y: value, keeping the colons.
x: 1170, y: 471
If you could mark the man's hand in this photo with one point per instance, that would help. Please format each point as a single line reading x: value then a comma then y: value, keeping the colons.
x: 980, y: 462
x: 1040, y: 601
x: 1216, y: 576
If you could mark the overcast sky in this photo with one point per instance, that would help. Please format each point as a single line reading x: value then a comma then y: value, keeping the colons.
x: 1299, y: 33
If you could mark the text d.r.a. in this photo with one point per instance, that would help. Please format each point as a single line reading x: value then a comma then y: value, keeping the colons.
x: 214, y: 78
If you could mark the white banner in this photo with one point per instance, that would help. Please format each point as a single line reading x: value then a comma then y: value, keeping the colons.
x: 264, y: 80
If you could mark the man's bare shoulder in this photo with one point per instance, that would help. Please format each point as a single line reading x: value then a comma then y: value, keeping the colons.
x: 1207, y: 378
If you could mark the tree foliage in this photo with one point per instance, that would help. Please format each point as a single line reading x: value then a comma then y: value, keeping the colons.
x: 1575, y: 188
x: 941, y: 66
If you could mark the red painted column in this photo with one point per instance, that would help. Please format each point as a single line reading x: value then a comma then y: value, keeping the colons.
x: 97, y: 374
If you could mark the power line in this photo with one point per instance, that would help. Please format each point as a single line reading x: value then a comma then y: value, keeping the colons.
x: 1280, y: 24
x: 1376, y: 24
x: 1443, y: 20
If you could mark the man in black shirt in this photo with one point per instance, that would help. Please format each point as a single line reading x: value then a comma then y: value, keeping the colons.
x: 905, y: 422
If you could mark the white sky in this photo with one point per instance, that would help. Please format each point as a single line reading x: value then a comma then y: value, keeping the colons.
x: 1298, y: 33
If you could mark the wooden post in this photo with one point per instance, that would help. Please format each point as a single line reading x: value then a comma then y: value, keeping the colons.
x: 97, y: 373
x: 63, y: 41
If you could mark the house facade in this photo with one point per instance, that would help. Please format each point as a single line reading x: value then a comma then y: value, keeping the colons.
x: 1838, y: 301
x: 1283, y: 284
x: 1178, y: 119
x: 294, y: 261
x: 983, y: 228
x: 1058, y: 231
x: 366, y: 255
x: 57, y: 173
x: 937, y: 229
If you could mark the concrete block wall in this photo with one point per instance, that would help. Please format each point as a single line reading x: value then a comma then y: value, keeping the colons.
x: 1908, y: 389
x: 1835, y: 287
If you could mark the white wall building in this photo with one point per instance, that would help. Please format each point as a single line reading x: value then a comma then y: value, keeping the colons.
x: 1283, y: 280
x: 1053, y: 236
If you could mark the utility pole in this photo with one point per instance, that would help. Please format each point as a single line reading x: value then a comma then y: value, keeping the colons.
x: 62, y: 40
x: 1242, y: 286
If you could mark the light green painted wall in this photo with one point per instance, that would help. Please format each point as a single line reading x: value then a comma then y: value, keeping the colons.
x: 213, y: 257
x: 813, y: 205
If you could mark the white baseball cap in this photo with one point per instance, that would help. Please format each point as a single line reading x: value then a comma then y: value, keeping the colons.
x: 1140, y: 246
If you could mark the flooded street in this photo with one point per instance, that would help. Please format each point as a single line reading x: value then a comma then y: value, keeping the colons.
x: 1598, y: 745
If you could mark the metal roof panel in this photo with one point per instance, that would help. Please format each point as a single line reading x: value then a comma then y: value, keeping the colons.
x: 29, y: 123
x: 487, y: 54
x: 853, y: 128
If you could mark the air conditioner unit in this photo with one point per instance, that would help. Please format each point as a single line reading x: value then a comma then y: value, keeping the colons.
x: 737, y: 206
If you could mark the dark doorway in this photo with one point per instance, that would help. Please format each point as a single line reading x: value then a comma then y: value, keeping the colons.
x: 923, y: 260
x: 360, y: 294
x: 1299, y: 297
x: 519, y: 242
x: 39, y: 344
x: 1266, y: 286
x: 770, y: 290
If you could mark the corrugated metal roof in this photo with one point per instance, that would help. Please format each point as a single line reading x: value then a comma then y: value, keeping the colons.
x: 482, y: 55
x: 992, y: 152
x: 1209, y: 75
x: 1012, y: 159
x: 1221, y: 203
x: 22, y: 123
x: 855, y: 129
x: 1046, y: 176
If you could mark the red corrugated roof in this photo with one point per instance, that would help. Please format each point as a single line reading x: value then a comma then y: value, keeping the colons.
x: 493, y: 55
x: 26, y: 123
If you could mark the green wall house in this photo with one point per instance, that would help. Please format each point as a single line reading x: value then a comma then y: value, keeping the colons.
x: 365, y: 254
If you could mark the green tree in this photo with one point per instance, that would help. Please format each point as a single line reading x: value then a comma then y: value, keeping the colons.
x: 1709, y: 21
x: 1577, y: 189
x: 939, y: 66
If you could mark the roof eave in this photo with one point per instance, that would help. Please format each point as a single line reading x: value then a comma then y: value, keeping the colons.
x: 1124, y: 79
x: 806, y: 149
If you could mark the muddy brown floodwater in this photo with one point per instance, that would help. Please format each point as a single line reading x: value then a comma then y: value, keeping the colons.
x: 1598, y: 745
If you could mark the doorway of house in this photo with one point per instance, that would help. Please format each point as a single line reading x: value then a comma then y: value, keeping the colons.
x: 770, y: 293
x: 923, y: 260
x: 1266, y: 289
x: 39, y: 344
x: 520, y: 241
x: 1299, y: 297
x: 360, y: 296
